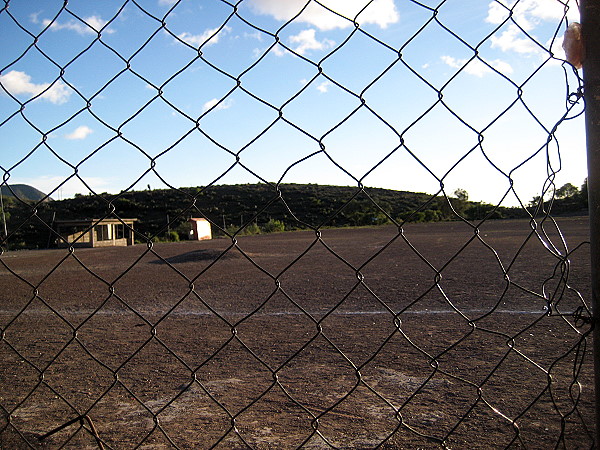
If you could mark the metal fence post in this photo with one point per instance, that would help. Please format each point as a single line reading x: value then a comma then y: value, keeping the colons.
x: 590, y: 21
x: 318, y: 339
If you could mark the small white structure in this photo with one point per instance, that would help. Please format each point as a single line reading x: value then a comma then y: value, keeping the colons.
x: 95, y: 232
x: 200, y: 229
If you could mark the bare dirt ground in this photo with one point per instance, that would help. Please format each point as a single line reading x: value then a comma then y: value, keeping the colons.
x: 357, y: 339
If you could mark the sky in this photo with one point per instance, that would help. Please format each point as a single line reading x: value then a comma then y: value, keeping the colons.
x: 116, y: 95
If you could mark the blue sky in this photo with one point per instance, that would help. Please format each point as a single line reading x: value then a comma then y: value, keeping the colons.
x: 140, y: 95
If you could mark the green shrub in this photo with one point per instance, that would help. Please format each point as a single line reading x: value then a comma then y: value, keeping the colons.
x: 273, y: 226
x: 252, y: 228
x: 249, y: 229
x: 172, y: 236
x: 413, y: 216
x: 432, y: 215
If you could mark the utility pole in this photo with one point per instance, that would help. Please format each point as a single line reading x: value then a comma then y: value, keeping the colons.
x: 590, y: 25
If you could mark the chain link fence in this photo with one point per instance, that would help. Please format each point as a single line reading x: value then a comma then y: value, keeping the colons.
x: 457, y: 334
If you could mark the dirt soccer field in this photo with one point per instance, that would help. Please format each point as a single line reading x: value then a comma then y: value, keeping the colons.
x: 359, y: 339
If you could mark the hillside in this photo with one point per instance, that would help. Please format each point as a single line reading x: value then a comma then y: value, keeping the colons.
x: 164, y: 213
x: 298, y: 206
x: 23, y: 192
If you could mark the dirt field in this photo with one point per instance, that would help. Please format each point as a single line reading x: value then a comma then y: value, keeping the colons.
x: 362, y: 338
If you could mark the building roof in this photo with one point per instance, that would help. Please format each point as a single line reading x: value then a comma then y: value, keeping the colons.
x: 89, y: 222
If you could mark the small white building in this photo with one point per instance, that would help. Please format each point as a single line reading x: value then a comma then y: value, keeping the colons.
x: 200, y: 229
x: 94, y: 232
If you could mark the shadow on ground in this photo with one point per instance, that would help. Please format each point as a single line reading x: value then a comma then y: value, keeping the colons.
x: 195, y: 256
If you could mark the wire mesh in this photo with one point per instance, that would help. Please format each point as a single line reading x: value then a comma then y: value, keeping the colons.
x: 470, y: 333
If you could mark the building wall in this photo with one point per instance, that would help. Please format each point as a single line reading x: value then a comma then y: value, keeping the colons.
x: 200, y: 229
x: 100, y: 235
x: 111, y: 243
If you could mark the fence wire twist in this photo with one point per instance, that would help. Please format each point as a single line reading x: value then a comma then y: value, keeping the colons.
x: 207, y: 356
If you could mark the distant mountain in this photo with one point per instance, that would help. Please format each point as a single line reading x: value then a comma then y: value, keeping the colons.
x: 23, y: 192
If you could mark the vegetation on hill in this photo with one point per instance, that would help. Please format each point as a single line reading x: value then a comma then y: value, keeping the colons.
x: 23, y: 192
x: 254, y: 208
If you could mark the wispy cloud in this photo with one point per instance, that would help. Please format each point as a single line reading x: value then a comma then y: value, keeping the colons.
x: 278, y: 50
x: 302, y: 43
x: 379, y: 12
x: 256, y: 35
x: 95, y: 22
x: 79, y: 133
x: 528, y: 14
x: 306, y: 40
x: 167, y: 2
x: 18, y: 83
x: 324, y: 86
x: 35, y: 17
x: 214, y: 103
x: 476, y: 67
x: 208, y: 37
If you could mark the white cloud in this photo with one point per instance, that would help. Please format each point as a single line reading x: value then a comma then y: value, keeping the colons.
x: 509, y: 40
x: 196, y: 40
x: 79, y: 133
x: 167, y: 2
x: 379, y: 12
x: 278, y: 50
x: 476, y: 67
x: 301, y: 43
x: 501, y: 66
x: 324, y: 86
x: 497, y: 13
x: 453, y: 62
x: 306, y: 40
x: 215, y: 103
x: 555, y: 46
x: 17, y: 83
x: 93, y: 21
x: 528, y: 14
x: 256, y: 35
x: 34, y: 17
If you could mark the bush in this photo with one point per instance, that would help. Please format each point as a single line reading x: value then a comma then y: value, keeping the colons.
x: 172, y: 236
x: 432, y: 215
x: 481, y: 211
x: 274, y: 226
x: 413, y: 216
x: 251, y: 228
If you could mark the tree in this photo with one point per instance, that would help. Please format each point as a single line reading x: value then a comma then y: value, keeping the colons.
x: 584, y: 190
x: 566, y: 191
x: 535, y: 201
x: 458, y: 203
x: 461, y: 194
